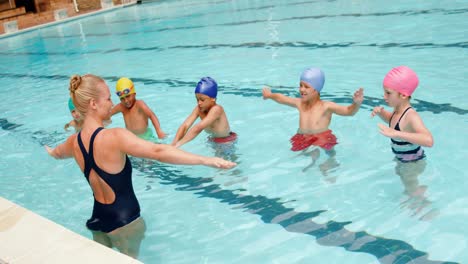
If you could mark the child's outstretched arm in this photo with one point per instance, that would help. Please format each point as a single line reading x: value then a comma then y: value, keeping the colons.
x: 351, y: 109
x: 382, y: 113
x: 414, y: 132
x: 116, y: 109
x: 185, y: 126
x: 214, y: 113
x: 154, y: 119
x: 73, y: 124
x: 279, y: 98
x: 68, y: 125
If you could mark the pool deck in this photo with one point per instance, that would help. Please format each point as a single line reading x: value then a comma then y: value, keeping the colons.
x: 65, y: 20
x: 26, y: 237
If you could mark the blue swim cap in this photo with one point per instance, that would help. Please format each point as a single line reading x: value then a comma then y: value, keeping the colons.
x: 314, y: 77
x: 71, y: 106
x: 207, y: 86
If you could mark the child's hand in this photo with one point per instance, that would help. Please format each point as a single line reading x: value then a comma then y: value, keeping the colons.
x: 162, y: 135
x: 266, y: 92
x: 358, y: 96
x: 387, y: 131
x: 376, y: 111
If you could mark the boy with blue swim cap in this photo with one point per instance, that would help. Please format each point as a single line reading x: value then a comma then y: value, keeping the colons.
x: 314, y: 114
x: 208, y: 87
x: 135, y: 112
x: 213, y: 118
x: 314, y: 77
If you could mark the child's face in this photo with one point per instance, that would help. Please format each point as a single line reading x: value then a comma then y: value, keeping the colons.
x: 76, y: 115
x: 128, y: 100
x: 204, y: 101
x: 392, y: 97
x: 307, y: 92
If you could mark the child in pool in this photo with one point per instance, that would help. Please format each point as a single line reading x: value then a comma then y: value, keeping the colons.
x: 213, y: 118
x: 314, y: 114
x: 135, y: 112
x: 405, y: 128
x: 77, y: 121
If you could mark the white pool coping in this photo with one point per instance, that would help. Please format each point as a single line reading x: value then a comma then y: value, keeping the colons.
x: 92, y: 13
x: 26, y: 237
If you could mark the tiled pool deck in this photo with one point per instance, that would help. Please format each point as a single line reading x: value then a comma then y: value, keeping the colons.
x: 38, y: 24
x: 26, y: 237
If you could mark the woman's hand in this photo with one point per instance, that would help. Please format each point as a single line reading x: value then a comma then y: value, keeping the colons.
x: 216, y: 162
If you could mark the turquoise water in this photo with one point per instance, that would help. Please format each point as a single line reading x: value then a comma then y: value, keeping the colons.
x: 275, y: 207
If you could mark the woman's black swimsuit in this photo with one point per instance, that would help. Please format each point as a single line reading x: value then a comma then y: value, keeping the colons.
x: 125, y: 208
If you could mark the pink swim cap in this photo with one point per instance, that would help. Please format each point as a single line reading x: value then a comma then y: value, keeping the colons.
x: 401, y: 79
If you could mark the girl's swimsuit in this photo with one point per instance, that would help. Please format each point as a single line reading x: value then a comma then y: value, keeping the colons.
x: 125, y: 208
x: 405, y: 151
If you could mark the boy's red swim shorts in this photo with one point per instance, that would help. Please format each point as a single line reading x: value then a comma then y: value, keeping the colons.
x: 325, y: 140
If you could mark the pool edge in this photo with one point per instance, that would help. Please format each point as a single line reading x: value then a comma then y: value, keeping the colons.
x: 66, y: 20
x: 26, y: 237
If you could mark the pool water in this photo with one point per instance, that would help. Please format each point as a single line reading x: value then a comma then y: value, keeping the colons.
x: 276, y: 206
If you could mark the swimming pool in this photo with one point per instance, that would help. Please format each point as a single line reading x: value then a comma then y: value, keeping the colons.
x: 274, y: 207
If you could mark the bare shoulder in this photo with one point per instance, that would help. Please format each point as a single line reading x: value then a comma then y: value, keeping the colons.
x: 116, y: 132
x: 141, y: 103
x: 414, y: 122
x: 216, y: 110
x: 327, y: 104
x: 330, y: 107
x: 117, y: 137
x: 217, y: 107
x: 412, y: 111
x: 412, y: 115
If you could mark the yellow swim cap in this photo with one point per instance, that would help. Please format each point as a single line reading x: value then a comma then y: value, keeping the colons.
x: 124, y: 87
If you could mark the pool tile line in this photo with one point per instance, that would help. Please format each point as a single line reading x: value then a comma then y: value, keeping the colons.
x: 249, y: 45
x: 240, y: 90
